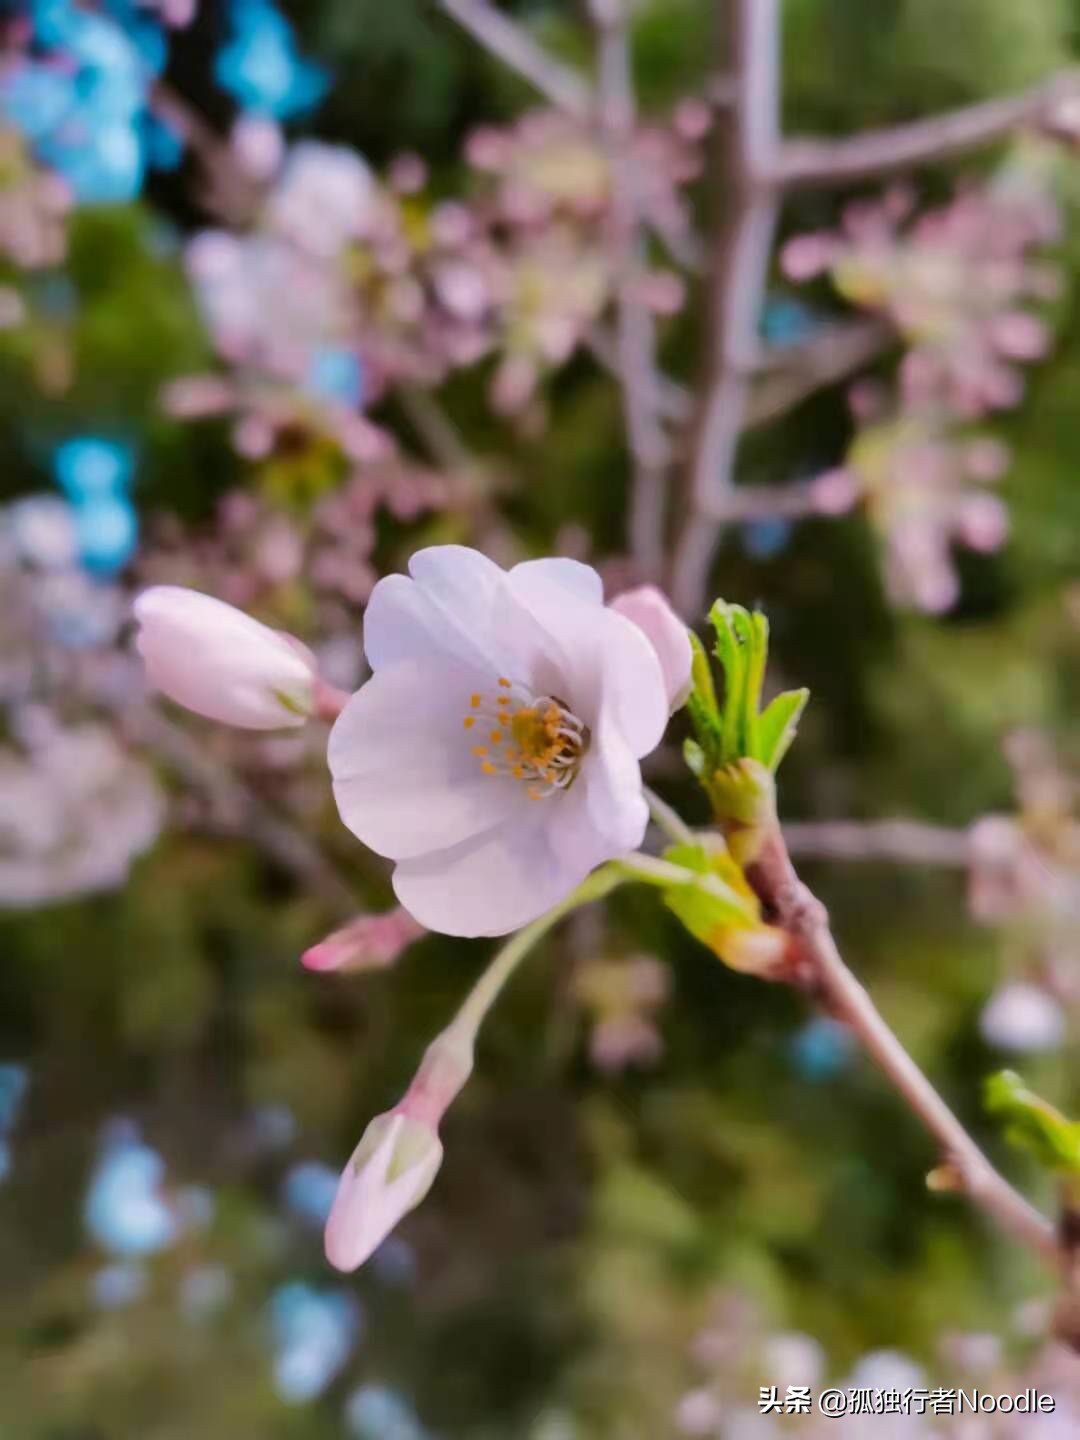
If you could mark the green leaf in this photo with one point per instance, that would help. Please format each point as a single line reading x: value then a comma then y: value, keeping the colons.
x: 745, y: 732
x: 777, y: 725
x: 694, y: 756
x: 730, y: 640
x: 722, y: 911
x: 704, y: 711
x: 1032, y: 1123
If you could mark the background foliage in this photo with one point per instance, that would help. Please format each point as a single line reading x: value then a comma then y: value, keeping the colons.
x: 584, y: 1223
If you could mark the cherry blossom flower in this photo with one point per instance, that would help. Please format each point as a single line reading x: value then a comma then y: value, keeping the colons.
x: 221, y: 663
x: 323, y: 197
x: 76, y: 810
x: 493, y: 753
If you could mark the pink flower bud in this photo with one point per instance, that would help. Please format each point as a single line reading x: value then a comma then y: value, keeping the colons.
x: 221, y: 663
x: 395, y: 1164
x: 648, y: 609
x: 390, y: 1172
x: 371, y: 942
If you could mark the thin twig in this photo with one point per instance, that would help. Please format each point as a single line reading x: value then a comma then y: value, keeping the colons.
x: 737, y: 285
x: 744, y: 504
x: 909, y: 842
x: 667, y: 819
x: 435, y: 428
x: 237, y: 810
x: 791, y: 375
x: 515, y: 47
x: 783, y: 376
x: 230, y: 192
x: 791, y: 905
x: 673, y: 400
x: 809, y: 162
x: 635, y: 332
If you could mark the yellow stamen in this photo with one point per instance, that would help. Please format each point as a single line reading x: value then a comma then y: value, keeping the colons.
x: 474, y: 701
x: 488, y: 768
x: 480, y: 751
x: 496, y: 736
x: 470, y: 721
x: 504, y: 682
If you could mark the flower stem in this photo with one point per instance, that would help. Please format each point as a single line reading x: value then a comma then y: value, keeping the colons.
x: 669, y: 821
x: 487, y: 989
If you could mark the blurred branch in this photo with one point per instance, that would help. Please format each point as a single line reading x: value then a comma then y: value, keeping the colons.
x: 965, y: 1167
x: 515, y: 47
x: 238, y: 811
x: 792, y: 375
x: 230, y: 193
x: 784, y: 376
x: 749, y: 135
x: 910, y: 842
x: 807, y: 162
x: 435, y: 428
x: 634, y: 350
x: 744, y: 504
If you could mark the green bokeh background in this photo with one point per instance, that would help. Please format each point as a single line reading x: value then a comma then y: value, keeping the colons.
x: 581, y: 1224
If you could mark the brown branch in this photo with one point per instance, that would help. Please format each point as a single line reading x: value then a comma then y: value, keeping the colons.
x: 736, y: 289
x: 909, y: 842
x: 516, y: 48
x: 809, y: 162
x: 634, y: 350
x: 791, y: 905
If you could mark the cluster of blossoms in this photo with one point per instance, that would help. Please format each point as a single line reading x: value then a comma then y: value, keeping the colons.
x: 620, y: 999
x: 77, y: 806
x: 1025, y: 879
x: 75, y: 811
x: 962, y: 285
x: 350, y: 286
x: 886, y: 1391
x: 257, y: 549
x: 493, y: 756
x: 76, y: 82
x: 34, y: 208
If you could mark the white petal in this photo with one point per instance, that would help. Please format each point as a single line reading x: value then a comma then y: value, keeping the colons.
x: 492, y: 884
x: 604, y: 815
x: 405, y: 779
x: 580, y: 580
x: 458, y: 604
x: 607, y: 660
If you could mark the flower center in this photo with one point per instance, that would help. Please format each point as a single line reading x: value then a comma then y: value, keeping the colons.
x: 535, y: 739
